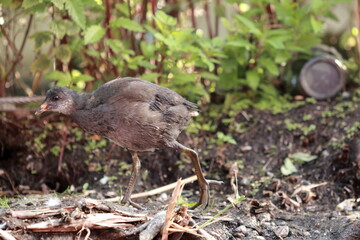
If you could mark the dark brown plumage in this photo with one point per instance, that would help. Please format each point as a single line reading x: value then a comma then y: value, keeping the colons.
x: 133, y: 113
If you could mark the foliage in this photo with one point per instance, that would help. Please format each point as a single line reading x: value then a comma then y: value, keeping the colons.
x: 297, y: 158
x: 263, y: 40
x: 117, y: 40
x: 4, y: 202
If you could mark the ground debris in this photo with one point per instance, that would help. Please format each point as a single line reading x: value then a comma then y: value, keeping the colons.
x: 81, y: 217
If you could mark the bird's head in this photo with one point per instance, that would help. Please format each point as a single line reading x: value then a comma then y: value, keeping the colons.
x: 58, y: 99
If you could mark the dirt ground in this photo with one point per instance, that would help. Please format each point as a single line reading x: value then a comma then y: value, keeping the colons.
x: 57, y: 182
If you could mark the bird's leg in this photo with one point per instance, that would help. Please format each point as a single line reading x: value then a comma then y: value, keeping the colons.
x: 135, y: 173
x: 203, y: 183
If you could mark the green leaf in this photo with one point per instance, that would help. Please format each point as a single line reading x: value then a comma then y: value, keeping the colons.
x: 41, y: 64
x: 182, y: 78
x: 38, y: 8
x: 146, y: 64
x: 123, y: 8
x: 93, y: 34
x: 6, y: 3
x: 76, y: 10
x: 59, y: 76
x: 288, y: 167
x: 316, y: 25
x: 302, y: 157
x: 58, y: 28
x: 276, y: 43
x: 82, y: 78
x: 151, y: 77
x: 240, y: 43
x: 63, y: 53
x: 71, y: 28
x: 59, y: 4
x: 165, y: 19
x: 252, y: 79
x: 41, y: 38
x: 249, y: 24
x: 269, y: 65
x: 209, y: 76
x: 127, y: 24
x: 30, y: 3
x: 115, y: 44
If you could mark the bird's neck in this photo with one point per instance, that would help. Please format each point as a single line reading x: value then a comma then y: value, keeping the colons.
x: 80, y: 100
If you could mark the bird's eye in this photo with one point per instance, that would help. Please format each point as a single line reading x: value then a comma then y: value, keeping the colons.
x: 55, y: 98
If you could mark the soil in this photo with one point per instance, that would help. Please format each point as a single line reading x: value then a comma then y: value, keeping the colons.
x: 50, y: 159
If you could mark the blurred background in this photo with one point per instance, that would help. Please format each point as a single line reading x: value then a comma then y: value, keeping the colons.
x: 237, y: 53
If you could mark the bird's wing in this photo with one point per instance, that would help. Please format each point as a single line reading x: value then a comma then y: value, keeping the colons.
x: 137, y: 90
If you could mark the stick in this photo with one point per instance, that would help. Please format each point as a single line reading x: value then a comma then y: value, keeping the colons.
x: 6, y: 235
x: 156, y: 190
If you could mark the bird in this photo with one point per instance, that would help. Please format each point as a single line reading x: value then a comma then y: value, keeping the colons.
x: 135, y: 114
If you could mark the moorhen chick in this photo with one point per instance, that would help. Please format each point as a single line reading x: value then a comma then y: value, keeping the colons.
x: 135, y: 114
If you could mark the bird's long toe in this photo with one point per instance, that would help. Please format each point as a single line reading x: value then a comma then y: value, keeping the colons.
x: 128, y: 201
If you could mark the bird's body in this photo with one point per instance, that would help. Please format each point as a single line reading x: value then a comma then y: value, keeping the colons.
x: 133, y: 113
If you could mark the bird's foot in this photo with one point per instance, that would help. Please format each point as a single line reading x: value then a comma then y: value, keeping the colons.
x: 128, y: 201
x: 204, y: 195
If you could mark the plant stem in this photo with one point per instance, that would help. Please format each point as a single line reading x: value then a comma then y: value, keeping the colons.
x: 18, y: 53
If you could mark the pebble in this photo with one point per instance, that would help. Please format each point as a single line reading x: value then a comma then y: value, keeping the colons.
x: 260, y: 238
x: 53, y: 202
x: 264, y: 217
x: 281, y: 231
x: 346, y: 95
x: 245, y: 148
x: 104, y: 180
x: 242, y: 229
x: 253, y: 233
x: 163, y: 197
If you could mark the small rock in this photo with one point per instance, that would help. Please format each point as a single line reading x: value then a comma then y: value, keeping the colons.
x: 104, y: 180
x: 239, y: 235
x: 245, y: 148
x: 264, y: 217
x: 325, y: 153
x: 163, y: 197
x: 242, y: 229
x: 253, y: 233
x: 244, y: 181
x: 53, y: 202
x: 345, y: 95
x: 260, y: 238
x: 281, y: 231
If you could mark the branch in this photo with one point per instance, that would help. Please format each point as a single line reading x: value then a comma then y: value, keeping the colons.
x: 18, y: 53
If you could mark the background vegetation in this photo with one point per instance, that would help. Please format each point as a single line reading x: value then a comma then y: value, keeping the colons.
x: 242, y: 54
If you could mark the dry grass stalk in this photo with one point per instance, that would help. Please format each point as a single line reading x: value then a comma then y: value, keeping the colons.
x: 170, y: 211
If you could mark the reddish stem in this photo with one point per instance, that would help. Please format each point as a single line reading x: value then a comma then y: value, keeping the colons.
x: 192, y: 12
x: 63, y: 144
x: 207, y: 17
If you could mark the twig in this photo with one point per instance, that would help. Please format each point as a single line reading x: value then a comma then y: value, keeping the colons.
x: 217, y: 19
x: 108, y: 156
x: 207, y: 17
x: 6, y: 236
x: 3, y: 172
x: 156, y: 190
x: 63, y: 144
x: 192, y: 13
x: 18, y: 53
